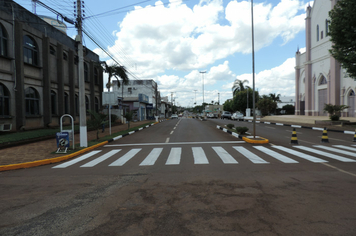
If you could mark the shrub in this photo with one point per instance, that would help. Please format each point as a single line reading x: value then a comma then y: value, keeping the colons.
x: 113, y: 118
x: 241, y: 130
x: 334, y: 117
x: 230, y: 126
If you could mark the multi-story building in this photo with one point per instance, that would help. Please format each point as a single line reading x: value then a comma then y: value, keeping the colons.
x: 39, y: 71
x: 136, y: 87
x: 320, y: 79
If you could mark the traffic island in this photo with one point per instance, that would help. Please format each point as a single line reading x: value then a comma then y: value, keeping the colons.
x: 255, y: 140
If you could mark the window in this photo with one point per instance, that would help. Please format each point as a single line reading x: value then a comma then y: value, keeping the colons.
x: 66, y: 103
x: 76, y: 105
x: 86, y: 103
x: 52, y: 51
x: 65, y: 56
x: 96, y: 76
x: 53, y: 103
x: 322, y: 81
x: 317, y: 33
x: 96, y: 104
x: 321, y: 35
x: 3, y: 41
x: 326, y: 27
x: 86, y: 72
x: 352, y: 93
x: 30, y: 51
x: 4, y: 101
x: 129, y: 90
x: 32, y: 100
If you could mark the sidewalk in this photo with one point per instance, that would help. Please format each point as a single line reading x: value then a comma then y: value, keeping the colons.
x: 44, y: 149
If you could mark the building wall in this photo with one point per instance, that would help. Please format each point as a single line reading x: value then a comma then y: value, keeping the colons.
x: 320, y: 79
x: 56, y: 71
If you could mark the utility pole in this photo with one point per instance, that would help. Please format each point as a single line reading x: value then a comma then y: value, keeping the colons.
x: 253, y: 74
x: 218, y: 98
x: 195, y: 97
x: 82, y: 111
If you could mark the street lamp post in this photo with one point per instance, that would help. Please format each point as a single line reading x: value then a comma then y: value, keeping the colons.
x: 203, y: 72
x: 253, y: 73
x: 195, y: 97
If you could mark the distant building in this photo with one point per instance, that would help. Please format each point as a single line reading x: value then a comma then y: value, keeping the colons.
x: 136, y: 87
x: 39, y: 71
x: 286, y: 100
x: 319, y: 78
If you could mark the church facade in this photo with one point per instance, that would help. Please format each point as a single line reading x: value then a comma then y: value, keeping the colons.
x: 319, y: 78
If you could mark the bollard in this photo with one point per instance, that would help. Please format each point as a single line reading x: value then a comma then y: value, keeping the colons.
x: 324, y: 137
x: 294, y: 139
x: 355, y: 136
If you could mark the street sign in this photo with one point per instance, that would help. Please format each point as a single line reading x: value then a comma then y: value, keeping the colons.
x: 62, y: 139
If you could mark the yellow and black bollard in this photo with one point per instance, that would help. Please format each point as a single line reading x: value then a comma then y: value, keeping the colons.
x: 294, y: 139
x: 355, y: 136
x: 324, y: 138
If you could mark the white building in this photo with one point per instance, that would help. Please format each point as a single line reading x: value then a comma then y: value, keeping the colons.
x: 136, y: 87
x: 320, y: 79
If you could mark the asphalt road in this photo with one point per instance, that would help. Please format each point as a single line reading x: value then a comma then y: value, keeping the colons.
x: 186, y: 177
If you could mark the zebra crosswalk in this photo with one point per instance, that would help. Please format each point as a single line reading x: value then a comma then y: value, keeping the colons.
x: 255, y: 155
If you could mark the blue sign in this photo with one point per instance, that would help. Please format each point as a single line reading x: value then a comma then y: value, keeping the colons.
x: 149, y: 106
x: 62, y: 139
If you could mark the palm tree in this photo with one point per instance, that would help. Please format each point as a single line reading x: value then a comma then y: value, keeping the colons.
x: 118, y: 72
x: 274, y: 97
x: 239, y: 86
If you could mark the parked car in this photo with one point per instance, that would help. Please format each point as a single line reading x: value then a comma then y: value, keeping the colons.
x: 237, y: 116
x: 210, y: 115
x: 226, y: 115
x: 174, y: 116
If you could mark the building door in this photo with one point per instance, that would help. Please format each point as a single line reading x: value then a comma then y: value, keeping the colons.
x: 351, y: 104
x: 302, y: 108
x: 322, y: 95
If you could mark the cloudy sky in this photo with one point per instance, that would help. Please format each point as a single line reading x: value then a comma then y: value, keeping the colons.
x: 172, y: 41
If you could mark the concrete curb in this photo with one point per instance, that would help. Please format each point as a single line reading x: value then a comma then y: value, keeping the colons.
x: 66, y: 157
x: 300, y: 126
x: 247, y: 140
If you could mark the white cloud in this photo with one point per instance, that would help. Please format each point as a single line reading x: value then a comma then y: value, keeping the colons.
x: 176, y: 37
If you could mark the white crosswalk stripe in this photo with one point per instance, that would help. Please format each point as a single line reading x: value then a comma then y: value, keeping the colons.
x: 249, y: 155
x: 125, y: 158
x: 336, y: 157
x: 224, y: 155
x: 346, y: 147
x: 276, y: 155
x: 101, y: 158
x: 76, y: 160
x: 152, y: 157
x: 300, y: 154
x: 174, y: 156
x: 199, y: 154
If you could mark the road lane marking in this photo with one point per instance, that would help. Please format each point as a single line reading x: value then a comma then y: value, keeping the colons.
x: 101, y: 158
x: 269, y: 127
x: 336, y: 157
x: 199, y: 156
x: 152, y: 157
x: 178, y: 143
x: 174, y: 156
x: 251, y: 156
x: 167, y: 140
x: 276, y: 155
x: 224, y: 156
x: 172, y: 132
x: 341, y: 170
x: 125, y: 158
x: 76, y: 160
x: 300, y: 154
x: 302, y: 141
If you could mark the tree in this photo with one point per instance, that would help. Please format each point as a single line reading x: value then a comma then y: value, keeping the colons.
x: 334, y: 111
x: 342, y: 32
x: 274, y: 97
x: 117, y: 72
x: 128, y: 116
x: 266, y: 106
x: 290, y: 109
x: 96, y: 121
x: 239, y: 102
x: 239, y: 86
